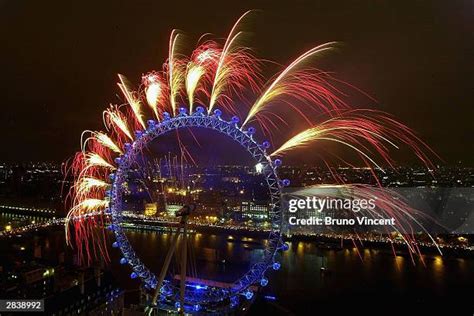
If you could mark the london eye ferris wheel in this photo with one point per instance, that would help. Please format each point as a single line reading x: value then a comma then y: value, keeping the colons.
x: 211, y: 89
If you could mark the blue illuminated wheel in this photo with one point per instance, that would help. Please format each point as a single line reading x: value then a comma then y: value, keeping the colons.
x: 256, y: 274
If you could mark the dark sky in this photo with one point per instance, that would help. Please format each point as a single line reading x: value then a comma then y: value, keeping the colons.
x: 59, y: 59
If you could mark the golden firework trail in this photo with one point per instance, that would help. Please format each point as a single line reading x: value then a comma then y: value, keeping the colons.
x: 175, y: 71
x: 87, y: 184
x: 278, y: 87
x: 153, y: 92
x: 112, y: 116
x: 78, y: 211
x: 131, y: 99
x: 193, y: 75
x: 95, y: 160
x: 223, y: 70
x: 316, y: 134
x: 102, y: 139
x: 365, y: 131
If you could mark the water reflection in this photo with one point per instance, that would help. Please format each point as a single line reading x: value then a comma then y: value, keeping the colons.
x: 306, y: 267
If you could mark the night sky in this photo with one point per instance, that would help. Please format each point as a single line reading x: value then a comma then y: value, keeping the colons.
x: 59, y: 60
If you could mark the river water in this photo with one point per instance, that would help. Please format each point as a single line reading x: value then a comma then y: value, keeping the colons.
x: 372, y: 282
x: 373, y: 279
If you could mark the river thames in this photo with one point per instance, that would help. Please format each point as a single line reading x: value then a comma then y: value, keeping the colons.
x: 373, y: 281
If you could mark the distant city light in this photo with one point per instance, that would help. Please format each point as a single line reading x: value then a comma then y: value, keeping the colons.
x: 259, y: 168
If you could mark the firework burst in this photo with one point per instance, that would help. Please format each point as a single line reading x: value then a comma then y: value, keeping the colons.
x: 367, y: 132
x: 155, y: 92
x: 387, y: 204
x: 224, y: 76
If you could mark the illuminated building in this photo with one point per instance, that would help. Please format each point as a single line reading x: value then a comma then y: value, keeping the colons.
x: 173, y: 208
x: 254, y: 211
x: 87, y: 291
x: 150, y: 209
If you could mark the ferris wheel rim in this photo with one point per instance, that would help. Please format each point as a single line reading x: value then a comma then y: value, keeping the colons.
x: 258, y: 152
